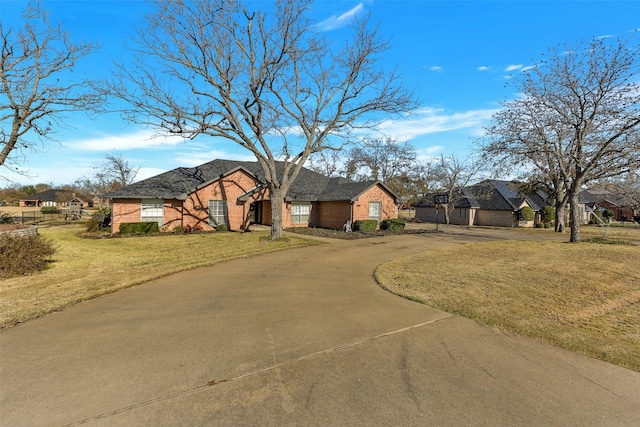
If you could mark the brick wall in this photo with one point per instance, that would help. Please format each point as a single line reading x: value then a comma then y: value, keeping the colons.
x: 331, y: 215
x: 124, y: 210
x: 229, y: 188
x: 375, y: 194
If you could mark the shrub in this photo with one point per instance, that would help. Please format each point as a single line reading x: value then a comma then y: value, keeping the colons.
x: 540, y: 225
x: 23, y: 254
x: 221, y: 227
x: 607, y: 215
x: 99, y: 220
x: 548, y: 214
x: 392, y: 224
x: 139, y: 227
x: 179, y: 230
x: 49, y: 210
x: 365, y: 225
x: 527, y: 214
x: 5, y: 218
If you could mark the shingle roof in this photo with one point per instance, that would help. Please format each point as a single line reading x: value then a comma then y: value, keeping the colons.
x: 179, y: 182
x: 50, y: 195
x: 492, y: 194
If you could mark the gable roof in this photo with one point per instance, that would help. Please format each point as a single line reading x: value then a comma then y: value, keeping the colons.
x: 493, y: 194
x: 180, y: 182
x: 594, y: 196
x: 50, y: 195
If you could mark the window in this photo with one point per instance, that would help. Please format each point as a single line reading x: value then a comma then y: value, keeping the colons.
x: 300, y: 213
x: 217, y: 212
x: 375, y: 210
x: 152, y: 211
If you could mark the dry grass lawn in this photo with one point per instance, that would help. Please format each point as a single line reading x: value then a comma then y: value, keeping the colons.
x: 583, y: 297
x: 83, y: 269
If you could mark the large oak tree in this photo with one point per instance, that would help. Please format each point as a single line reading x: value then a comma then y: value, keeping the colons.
x: 577, y: 120
x: 269, y: 80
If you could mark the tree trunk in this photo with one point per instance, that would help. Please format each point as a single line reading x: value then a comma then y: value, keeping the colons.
x: 277, y: 200
x: 559, y: 218
x: 574, y: 217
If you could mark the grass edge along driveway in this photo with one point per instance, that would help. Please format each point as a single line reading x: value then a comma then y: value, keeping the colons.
x: 582, y: 297
x: 84, y: 269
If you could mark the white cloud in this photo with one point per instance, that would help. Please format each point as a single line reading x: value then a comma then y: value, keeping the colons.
x: 513, y: 67
x: 432, y: 120
x: 436, y: 68
x: 484, y: 68
x: 343, y: 20
x: 604, y: 36
x: 527, y: 68
x: 123, y: 142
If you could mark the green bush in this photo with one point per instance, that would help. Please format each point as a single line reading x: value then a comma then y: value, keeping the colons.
x: 540, y: 225
x: 548, y: 214
x: 527, y: 214
x: 23, y: 254
x: 392, y: 224
x: 139, y: 227
x: 365, y: 225
x: 607, y: 215
x: 49, y: 210
x: 221, y: 227
x: 94, y: 224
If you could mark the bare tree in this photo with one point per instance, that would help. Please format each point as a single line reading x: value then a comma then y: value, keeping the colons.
x: 453, y: 174
x: 115, y: 172
x: 326, y: 162
x: 381, y: 158
x: 116, y: 169
x: 269, y: 82
x: 578, y: 120
x: 35, y: 65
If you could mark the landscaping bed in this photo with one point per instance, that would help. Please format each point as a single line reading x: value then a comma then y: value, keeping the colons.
x: 353, y: 235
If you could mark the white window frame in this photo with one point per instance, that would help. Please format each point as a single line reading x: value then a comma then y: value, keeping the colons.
x: 152, y: 210
x: 217, y: 212
x: 300, y: 212
x: 373, y: 207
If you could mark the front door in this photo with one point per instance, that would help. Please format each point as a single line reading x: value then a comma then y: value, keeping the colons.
x: 255, y: 213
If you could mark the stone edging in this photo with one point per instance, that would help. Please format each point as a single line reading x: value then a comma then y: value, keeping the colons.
x: 30, y: 231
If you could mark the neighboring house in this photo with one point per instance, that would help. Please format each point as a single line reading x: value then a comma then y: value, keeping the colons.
x: 602, y: 199
x: 490, y: 203
x: 54, y: 198
x: 234, y: 194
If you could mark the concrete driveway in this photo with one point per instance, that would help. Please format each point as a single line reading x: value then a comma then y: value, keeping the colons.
x: 300, y: 337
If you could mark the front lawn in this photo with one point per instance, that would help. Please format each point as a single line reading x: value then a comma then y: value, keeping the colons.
x: 583, y: 297
x: 84, y: 269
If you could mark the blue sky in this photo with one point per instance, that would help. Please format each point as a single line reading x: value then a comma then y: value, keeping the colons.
x: 459, y: 55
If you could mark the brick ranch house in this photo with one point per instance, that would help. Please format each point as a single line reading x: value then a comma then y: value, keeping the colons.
x: 233, y: 193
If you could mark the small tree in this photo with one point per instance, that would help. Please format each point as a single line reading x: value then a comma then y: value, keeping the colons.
x: 270, y: 82
x: 453, y: 174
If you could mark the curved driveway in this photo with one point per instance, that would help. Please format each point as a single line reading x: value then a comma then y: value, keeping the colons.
x: 300, y: 337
